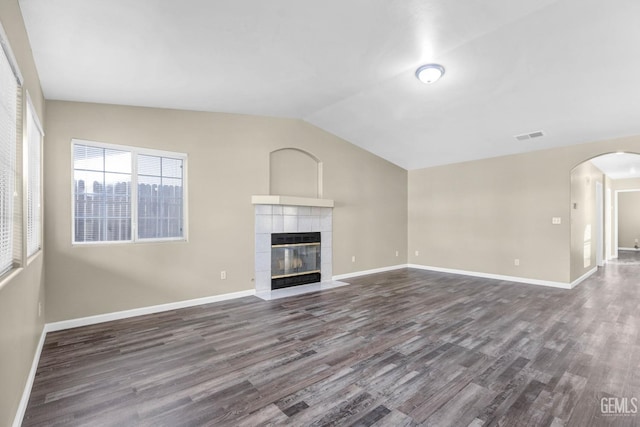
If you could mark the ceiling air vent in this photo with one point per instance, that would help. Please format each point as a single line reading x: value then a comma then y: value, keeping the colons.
x: 527, y: 136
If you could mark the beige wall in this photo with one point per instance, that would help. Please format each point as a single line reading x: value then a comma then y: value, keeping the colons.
x: 20, y: 325
x: 584, y: 226
x: 480, y: 216
x: 626, y: 184
x: 228, y: 162
x: 628, y: 219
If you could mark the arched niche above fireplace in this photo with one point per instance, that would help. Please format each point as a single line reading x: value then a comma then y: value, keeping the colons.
x: 295, y: 172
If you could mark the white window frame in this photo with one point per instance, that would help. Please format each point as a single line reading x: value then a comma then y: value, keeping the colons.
x: 135, y: 151
x: 30, y: 111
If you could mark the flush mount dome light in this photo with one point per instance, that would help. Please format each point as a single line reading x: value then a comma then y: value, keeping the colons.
x: 429, y: 73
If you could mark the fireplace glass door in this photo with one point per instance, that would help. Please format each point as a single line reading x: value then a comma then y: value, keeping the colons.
x: 296, y: 259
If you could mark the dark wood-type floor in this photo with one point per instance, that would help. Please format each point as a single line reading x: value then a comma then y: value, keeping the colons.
x: 407, y: 347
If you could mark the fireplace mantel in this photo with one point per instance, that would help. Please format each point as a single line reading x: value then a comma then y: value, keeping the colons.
x: 290, y: 201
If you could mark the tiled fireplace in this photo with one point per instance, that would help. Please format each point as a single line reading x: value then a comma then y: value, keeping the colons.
x: 277, y: 219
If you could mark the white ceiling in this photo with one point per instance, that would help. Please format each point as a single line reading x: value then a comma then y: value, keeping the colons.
x: 568, y: 67
x: 619, y: 165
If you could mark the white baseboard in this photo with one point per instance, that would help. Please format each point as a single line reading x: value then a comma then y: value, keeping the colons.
x: 584, y: 277
x: 365, y: 272
x: 107, y: 317
x: 516, y: 279
x: 629, y: 249
x: 538, y: 282
x: 24, y: 400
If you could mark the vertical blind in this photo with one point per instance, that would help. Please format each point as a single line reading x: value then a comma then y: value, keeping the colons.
x: 34, y: 147
x: 8, y: 124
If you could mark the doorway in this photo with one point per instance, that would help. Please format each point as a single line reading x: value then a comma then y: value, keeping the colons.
x: 627, y: 220
x: 596, y: 188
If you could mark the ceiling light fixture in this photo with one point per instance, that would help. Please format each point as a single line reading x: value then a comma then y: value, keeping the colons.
x: 429, y: 73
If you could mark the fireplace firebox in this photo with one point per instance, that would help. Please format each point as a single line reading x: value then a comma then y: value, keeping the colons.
x: 295, y: 259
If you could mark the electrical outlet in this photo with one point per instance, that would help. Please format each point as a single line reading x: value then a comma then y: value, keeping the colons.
x: 39, y: 309
x: 353, y: 258
x: 516, y: 262
x: 223, y: 275
x: 417, y: 253
x: 636, y: 240
x: 398, y: 252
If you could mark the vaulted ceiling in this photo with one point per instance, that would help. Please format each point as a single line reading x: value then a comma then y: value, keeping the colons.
x: 567, y: 67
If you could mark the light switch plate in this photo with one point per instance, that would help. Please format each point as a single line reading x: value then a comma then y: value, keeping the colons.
x: 556, y: 220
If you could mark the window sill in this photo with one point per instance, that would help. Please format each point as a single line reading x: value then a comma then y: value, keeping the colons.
x: 33, y: 257
x: 129, y: 242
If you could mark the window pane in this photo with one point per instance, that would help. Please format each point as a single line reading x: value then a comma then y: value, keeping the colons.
x: 160, y: 197
x: 102, y: 199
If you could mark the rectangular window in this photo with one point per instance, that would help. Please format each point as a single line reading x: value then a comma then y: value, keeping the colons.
x: 125, y: 194
x: 34, y: 155
x: 9, y: 86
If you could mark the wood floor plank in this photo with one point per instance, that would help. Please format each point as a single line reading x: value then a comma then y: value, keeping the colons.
x: 401, y: 348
